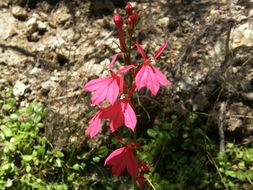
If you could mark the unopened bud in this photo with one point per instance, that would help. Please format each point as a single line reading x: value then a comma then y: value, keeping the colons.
x: 118, y: 20
x: 132, y: 18
x: 129, y: 8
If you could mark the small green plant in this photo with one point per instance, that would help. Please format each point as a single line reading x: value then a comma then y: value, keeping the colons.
x: 27, y: 159
x: 178, y: 150
x: 236, y: 167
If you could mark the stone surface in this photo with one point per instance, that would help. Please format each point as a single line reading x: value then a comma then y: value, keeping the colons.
x: 19, y: 12
x: 242, y: 35
x: 19, y: 89
x: 8, y: 25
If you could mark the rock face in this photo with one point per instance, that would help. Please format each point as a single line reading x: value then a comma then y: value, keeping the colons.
x: 8, y: 26
x: 19, y: 12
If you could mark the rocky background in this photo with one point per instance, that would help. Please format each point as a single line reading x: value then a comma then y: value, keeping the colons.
x: 50, y: 49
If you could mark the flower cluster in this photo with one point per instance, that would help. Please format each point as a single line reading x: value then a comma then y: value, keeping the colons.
x: 118, y: 89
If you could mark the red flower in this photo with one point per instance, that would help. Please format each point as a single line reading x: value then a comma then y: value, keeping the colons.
x: 148, y: 75
x: 107, y: 87
x: 121, y: 159
x: 104, y: 88
x: 120, y: 113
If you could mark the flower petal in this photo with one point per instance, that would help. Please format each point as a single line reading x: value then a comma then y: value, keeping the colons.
x: 160, y: 50
x: 125, y: 68
x: 114, y: 58
x: 129, y: 115
x: 161, y: 77
x: 99, y: 95
x: 152, y: 84
x: 132, y: 164
x: 94, y: 125
x: 141, y: 77
x: 97, y: 83
x: 113, y: 91
x: 140, y: 50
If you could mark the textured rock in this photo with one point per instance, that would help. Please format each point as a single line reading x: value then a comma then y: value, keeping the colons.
x: 242, y: 35
x: 19, y: 89
x: 8, y: 26
x: 19, y: 12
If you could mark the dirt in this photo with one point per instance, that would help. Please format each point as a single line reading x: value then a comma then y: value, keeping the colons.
x: 50, y: 49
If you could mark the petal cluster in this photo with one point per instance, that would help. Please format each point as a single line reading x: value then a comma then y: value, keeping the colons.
x: 149, y: 76
x: 103, y: 88
x: 120, y: 113
x: 122, y: 159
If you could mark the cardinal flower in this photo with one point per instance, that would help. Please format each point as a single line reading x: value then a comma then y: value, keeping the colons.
x: 148, y: 75
x: 107, y: 87
x: 121, y: 159
x: 120, y: 113
x: 94, y: 125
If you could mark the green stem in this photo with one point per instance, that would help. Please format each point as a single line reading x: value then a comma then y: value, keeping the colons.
x: 134, y: 184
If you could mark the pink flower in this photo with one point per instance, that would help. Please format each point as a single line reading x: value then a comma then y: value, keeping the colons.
x: 107, y: 87
x: 121, y: 159
x: 104, y: 88
x: 94, y: 125
x: 120, y: 113
x: 148, y: 75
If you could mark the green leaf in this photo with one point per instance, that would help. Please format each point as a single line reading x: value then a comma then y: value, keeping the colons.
x: 6, y: 131
x: 58, y: 163
x: 7, y: 107
x: 77, y: 167
x: 96, y: 159
x: 28, y: 168
x: 5, y: 166
x: 9, y: 183
x: 14, y: 117
x: 152, y: 133
x: 102, y: 151
x: 27, y: 158
x: 230, y: 173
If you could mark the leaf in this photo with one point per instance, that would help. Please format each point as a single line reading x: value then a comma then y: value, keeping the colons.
x: 102, y: 151
x: 27, y: 158
x: 230, y: 173
x: 28, y: 168
x: 7, y: 107
x: 8, y: 183
x: 58, y: 163
x: 152, y: 133
x: 6, y: 131
x: 96, y: 159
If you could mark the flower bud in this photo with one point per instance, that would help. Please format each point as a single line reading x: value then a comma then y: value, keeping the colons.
x: 132, y: 18
x: 118, y: 20
x: 129, y: 8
